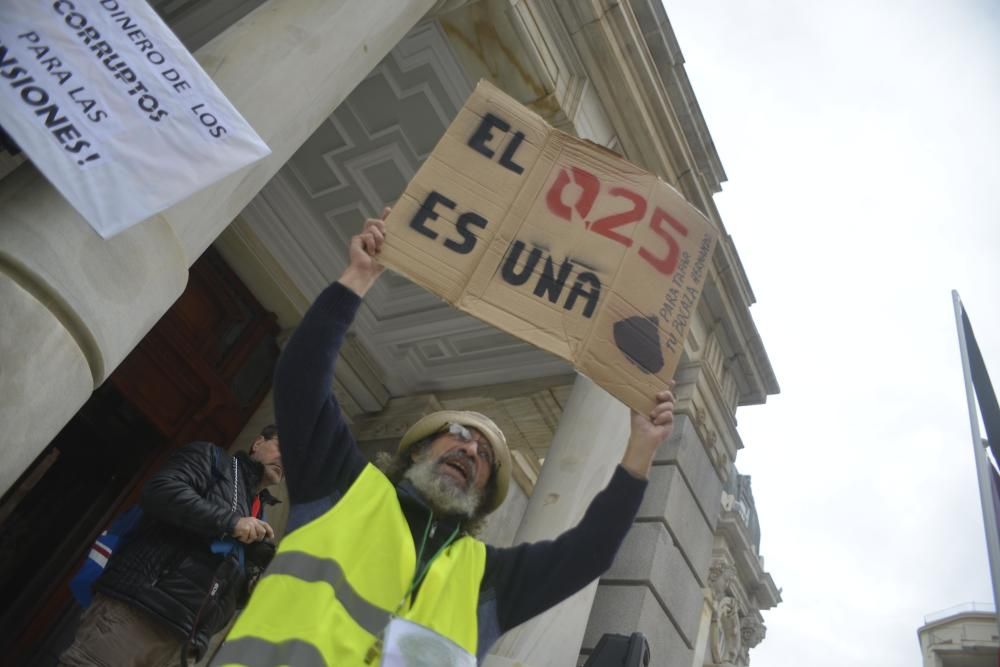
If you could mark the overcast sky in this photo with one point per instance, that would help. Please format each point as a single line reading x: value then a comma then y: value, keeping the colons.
x: 862, y: 144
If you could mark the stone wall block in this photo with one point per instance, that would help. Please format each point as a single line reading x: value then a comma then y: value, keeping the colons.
x: 684, y: 449
x: 627, y: 609
x: 649, y: 558
x: 669, y: 501
x: 38, y: 360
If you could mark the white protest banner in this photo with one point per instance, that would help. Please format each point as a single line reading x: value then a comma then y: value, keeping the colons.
x: 112, y: 108
x: 557, y: 241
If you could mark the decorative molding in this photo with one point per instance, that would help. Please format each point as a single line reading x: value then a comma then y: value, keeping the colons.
x: 668, y: 61
x: 737, y: 333
x: 709, y: 440
x: 733, y: 538
x: 361, y: 157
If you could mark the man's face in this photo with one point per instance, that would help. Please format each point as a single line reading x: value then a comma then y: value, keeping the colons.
x: 267, y: 453
x: 453, y: 471
x: 464, y: 456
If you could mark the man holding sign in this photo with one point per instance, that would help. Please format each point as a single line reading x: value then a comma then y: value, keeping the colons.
x: 381, y: 566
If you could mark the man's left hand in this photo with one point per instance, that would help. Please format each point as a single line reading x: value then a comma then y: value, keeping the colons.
x: 648, y: 432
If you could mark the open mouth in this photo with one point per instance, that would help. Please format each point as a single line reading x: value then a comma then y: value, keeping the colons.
x: 463, y: 468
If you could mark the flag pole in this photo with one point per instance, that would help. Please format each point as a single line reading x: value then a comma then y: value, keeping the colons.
x: 983, y: 466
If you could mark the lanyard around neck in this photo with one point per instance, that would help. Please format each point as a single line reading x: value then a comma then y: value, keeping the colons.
x: 421, y: 572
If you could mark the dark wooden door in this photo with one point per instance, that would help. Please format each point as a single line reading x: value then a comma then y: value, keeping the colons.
x: 199, y: 374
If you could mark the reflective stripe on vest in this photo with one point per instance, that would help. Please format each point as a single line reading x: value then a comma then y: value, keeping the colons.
x: 334, y: 582
x: 254, y: 652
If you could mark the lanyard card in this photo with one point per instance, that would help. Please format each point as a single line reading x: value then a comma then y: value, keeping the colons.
x: 407, y: 644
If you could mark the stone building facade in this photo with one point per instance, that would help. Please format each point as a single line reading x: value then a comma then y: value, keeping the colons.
x: 351, y: 96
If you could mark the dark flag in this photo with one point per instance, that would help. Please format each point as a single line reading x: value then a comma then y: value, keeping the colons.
x: 995, y: 489
x: 982, y: 401
x: 988, y: 408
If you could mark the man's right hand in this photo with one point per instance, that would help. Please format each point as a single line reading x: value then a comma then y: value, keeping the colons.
x: 249, y: 530
x: 364, y: 269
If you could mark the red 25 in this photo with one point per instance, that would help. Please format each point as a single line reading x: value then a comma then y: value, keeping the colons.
x: 590, y: 189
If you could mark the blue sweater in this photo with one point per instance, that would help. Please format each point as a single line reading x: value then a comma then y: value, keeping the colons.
x: 322, y: 460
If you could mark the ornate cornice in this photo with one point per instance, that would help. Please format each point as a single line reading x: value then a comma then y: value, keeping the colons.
x: 757, y: 583
x: 668, y: 61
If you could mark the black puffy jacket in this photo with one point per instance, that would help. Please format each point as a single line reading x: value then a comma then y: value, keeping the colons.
x: 167, y: 568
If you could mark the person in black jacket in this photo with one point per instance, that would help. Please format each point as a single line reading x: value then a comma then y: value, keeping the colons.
x: 179, y: 577
x: 462, y: 480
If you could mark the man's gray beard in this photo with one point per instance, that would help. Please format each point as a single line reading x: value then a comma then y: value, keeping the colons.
x: 441, y: 492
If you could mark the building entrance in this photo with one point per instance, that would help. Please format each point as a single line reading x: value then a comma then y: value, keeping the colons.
x: 199, y: 374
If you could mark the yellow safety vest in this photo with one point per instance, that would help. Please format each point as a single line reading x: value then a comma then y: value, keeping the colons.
x: 333, y: 585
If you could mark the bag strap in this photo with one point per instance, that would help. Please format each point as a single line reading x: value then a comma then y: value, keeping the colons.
x: 236, y: 476
x: 236, y: 484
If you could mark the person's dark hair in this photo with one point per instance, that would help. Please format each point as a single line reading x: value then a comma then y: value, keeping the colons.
x: 395, y: 465
x: 268, y: 432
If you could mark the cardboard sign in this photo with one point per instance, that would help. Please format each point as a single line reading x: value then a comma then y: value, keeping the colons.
x: 557, y: 241
x: 112, y: 108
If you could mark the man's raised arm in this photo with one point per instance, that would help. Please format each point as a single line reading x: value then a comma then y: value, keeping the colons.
x: 530, y: 578
x: 316, y: 445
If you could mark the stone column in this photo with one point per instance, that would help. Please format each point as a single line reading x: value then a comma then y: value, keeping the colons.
x: 588, y: 444
x: 74, y: 304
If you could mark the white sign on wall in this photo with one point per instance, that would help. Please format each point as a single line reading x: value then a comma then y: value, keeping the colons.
x: 112, y: 108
